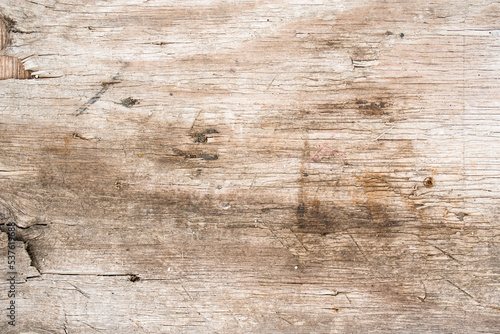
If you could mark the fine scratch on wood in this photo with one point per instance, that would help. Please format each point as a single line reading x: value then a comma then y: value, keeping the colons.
x: 288, y: 322
x: 90, y: 326
x: 385, y: 132
x: 138, y: 325
x: 293, y: 245
x: 444, y: 252
x: 79, y: 290
x: 269, y: 85
x: 358, y: 247
x: 187, y: 293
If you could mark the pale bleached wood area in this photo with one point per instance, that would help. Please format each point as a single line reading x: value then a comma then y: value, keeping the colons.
x: 270, y: 166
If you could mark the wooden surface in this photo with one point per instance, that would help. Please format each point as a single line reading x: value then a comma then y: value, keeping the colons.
x: 251, y: 166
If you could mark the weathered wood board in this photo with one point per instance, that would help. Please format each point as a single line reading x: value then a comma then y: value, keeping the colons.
x: 250, y: 166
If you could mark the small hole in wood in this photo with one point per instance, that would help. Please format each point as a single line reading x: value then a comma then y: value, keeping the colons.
x: 134, y: 278
x: 428, y: 182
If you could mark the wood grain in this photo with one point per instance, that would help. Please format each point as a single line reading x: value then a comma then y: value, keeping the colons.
x: 12, y: 68
x: 253, y: 166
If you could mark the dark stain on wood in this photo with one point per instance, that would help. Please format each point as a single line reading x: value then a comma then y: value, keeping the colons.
x: 134, y: 278
x: 190, y: 155
x: 314, y: 215
x: 372, y: 108
x: 129, y: 102
x: 378, y: 211
x: 205, y: 156
x: 201, y: 137
x: 317, y: 218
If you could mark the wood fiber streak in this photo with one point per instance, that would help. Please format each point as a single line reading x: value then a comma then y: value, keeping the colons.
x: 251, y: 166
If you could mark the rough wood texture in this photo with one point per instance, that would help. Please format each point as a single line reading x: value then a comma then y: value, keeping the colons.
x: 10, y: 67
x: 253, y: 166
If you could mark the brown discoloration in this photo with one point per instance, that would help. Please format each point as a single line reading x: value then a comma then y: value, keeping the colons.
x: 372, y: 108
x: 378, y: 196
x: 317, y: 218
x: 65, y: 148
x: 12, y: 68
x: 376, y: 106
x: 374, y: 213
x: 331, y: 107
x: 57, y: 151
x: 71, y: 163
x: 316, y: 215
